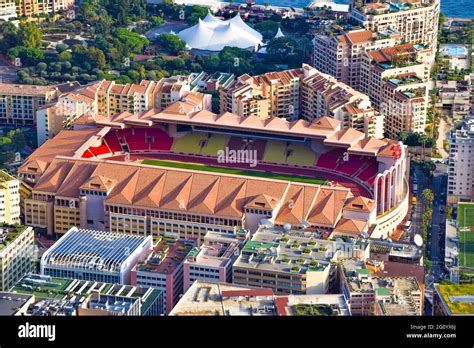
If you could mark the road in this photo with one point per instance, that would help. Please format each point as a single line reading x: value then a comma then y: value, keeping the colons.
x: 166, y: 28
x: 443, y: 130
x: 7, y: 73
x: 436, y: 243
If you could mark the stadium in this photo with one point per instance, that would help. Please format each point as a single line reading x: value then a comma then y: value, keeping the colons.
x: 185, y: 170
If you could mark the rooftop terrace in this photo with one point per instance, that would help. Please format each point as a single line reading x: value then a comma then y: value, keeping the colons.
x: 165, y: 257
x: 9, y: 234
x: 458, y: 298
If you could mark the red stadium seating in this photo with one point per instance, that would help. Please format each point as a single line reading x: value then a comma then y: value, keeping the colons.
x: 87, y: 154
x: 99, y: 150
x: 330, y: 159
x: 112, y: 142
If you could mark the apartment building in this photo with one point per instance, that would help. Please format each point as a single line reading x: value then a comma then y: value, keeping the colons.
x: 9, y: 199
x: 339, y: 53
x: 367, y: 294
x: 162, y: 268
x: 19, y: 103
x: 291, y: 262
x: 95, y: 255
x: 301, y: 93
x: 31, y: 8
x: 7, y: 10
x: 213, y: 259
x: 103, y: 99
x: 271, y: 94
x: 17, y: 254
x: 170, y: 90
x: 416, y: 21
x: 323, y: 95
x: 397, y: 81
x: 461, y: 163
x: 61, y: 114
x: 454, y: 98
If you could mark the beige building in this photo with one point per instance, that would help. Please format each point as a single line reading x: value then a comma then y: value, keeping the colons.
x: 31, y: 8
x: 61, y: 114
x: 454, y: 97
x: 17, y: 255
x: 397, y: 80
x: 272, y: 94
x: 7, y: 10
x: 339, y: 53
x: 461, y: 164
x: 19, y: 103
x: 9, y: 199
x: 323, y: 95
x: 301, y: 93
x: 105, y: 99
x: 415, y: 20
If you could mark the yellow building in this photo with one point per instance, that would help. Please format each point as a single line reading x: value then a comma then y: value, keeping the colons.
x: 9, y: 199
x: 30, y: 8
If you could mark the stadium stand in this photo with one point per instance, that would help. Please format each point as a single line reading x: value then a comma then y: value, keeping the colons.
x: 369, y: 173
x: 330, y: 159
x: 99, y: 150
x: 275, y: 152
x: 300, y: 154
x: 190, y: 143
x: 214, y: 143
x: 112, y: 141
x: 237, y: 143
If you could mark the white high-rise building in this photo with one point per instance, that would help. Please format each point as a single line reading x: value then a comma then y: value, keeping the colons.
x: 461, y: 164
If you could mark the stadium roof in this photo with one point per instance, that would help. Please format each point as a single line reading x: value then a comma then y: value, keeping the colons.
x: 93, y: 250
x: 213, y: 34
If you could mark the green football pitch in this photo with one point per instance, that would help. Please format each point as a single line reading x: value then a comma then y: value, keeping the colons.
x: 235, y: 171
x: 466, y: 234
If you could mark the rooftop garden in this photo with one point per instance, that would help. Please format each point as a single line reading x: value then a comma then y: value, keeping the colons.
x: 10, y: 233
x: 405, y: 80
x: 458, y: 290
x: 312, y: 310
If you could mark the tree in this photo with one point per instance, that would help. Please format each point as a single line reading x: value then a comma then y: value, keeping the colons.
x: 64, y: 56
x: 235, y: 60
x: 18, y: 139
x: 267, y: 28
x: 133, y: 41
x: 284, y: 50
x: 428, y: 195
x: 95, y: 57
x: 157, y: 21
x: 10, y: 36
x: 28, y: 56
x: 30, y: 35
x: 195, y: 12
x: 171, y: 42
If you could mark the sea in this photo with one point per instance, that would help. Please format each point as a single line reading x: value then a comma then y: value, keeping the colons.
x: 451, y: 8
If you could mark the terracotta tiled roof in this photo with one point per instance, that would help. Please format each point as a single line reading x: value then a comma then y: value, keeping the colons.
x: 350, y: 227
x: 196, y: 192
x: 360, y: 203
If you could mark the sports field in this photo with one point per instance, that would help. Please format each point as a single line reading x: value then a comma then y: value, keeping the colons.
x: 466, y: 234
x: 234, y: 171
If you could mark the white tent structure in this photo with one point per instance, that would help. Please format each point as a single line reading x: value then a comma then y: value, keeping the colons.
x: 279, y: 34
x: 213, y: 34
